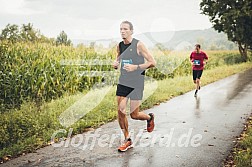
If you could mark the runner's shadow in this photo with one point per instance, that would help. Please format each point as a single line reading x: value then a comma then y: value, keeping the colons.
x: 197, y: 107
x: 130, y: 157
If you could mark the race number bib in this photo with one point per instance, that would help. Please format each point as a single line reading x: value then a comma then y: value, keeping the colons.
x: 125, y: 61
x: 196, y: 62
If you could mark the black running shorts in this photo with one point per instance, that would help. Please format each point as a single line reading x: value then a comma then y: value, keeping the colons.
x: 132, y: 93
x: 197, y: 74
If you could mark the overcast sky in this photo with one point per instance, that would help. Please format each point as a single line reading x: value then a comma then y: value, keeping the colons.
x: 99, y: 19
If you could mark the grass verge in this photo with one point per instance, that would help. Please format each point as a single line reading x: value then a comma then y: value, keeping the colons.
x: 241, y: 154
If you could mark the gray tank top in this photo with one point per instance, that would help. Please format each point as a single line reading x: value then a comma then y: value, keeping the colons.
x: 129, y: 55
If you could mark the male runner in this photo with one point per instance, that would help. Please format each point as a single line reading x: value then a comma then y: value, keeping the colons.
x: 131, y: 55
x: 198, y: 59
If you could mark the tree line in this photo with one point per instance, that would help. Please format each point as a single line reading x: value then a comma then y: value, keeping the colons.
x: 27, y: 33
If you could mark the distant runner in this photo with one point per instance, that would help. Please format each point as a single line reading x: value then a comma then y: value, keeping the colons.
x: 131, y: 54
x: 198, y: 59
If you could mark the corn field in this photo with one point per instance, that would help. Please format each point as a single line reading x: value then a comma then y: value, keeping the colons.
x: 34, y: 71
x: 41, y: 72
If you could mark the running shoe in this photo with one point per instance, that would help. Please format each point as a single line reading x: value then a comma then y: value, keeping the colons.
x: 195, y: 94
x: 150, y: 123
x: 125, y: 146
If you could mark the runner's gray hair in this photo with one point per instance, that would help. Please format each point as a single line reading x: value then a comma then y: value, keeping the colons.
x: 129, y: 23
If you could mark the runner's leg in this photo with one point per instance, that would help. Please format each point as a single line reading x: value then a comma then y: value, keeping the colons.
x: 136, y: 114
x: 199, y: 74
x: 122, y: 119
x: 195, y: 81
x: 134, y: 111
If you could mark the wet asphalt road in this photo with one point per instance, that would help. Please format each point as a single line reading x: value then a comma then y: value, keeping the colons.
x: 189, y: 132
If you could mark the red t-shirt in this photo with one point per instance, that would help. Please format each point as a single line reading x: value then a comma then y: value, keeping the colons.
x: 198, y: 58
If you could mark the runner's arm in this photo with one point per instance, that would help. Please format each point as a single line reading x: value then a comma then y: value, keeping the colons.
x: 206, y: 58
x: 118, y: 53
x: 117, y: 61
x: 146, y: 54
x: 191, y: 59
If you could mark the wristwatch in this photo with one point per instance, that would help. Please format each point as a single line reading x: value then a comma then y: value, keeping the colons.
x: 138, y: 67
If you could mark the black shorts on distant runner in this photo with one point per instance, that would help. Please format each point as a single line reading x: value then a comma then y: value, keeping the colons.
x: 132, y: 93
x: 197, y: 74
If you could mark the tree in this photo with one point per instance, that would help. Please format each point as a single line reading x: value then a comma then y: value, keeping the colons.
x: 11, y: 33
x: 233, y: 18
x: 28, y: 33
x: 62, y: 39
